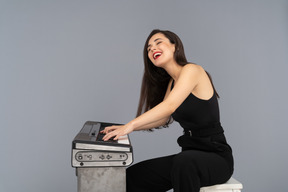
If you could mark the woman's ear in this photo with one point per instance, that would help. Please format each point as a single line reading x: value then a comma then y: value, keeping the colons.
x: 174, y: 47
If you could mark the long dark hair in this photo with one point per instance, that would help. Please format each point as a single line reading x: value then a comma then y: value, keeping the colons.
x: 155, y: 79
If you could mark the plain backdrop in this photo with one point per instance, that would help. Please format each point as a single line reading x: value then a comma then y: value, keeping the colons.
x: 63, y: 62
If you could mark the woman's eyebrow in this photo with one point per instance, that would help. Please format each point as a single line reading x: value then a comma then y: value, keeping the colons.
x: 154, y: 41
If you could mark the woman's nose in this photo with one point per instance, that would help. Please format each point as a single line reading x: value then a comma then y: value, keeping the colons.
x: 153, y: 48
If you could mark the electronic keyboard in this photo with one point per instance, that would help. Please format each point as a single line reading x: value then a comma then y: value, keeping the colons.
x: 89, y: 150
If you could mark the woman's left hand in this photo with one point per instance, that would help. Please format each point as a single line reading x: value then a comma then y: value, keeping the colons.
x: 117, y: 131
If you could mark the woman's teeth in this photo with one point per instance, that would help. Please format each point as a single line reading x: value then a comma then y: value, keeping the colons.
x: 156, y: 55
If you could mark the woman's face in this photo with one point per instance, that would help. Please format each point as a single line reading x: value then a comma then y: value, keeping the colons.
x: 160, y: 50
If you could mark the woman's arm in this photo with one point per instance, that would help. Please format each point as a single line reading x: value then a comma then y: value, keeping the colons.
x: 163, y: 121
x: 187, y: 81
x: 158, y: 123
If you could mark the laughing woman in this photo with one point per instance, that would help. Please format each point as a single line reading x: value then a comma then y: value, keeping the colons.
x: 175, y: 88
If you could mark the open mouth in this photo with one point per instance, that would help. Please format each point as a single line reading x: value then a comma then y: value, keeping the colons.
x: 156, y: 55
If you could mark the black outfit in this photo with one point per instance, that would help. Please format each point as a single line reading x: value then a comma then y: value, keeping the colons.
x: 206, y: 158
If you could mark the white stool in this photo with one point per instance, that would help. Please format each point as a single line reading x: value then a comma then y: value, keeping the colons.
x: 232, y: 185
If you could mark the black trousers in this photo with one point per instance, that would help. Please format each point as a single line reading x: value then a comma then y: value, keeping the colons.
x: 187, y: 171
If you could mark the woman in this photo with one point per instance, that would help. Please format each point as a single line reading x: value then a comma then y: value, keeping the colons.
x: 173, y: 87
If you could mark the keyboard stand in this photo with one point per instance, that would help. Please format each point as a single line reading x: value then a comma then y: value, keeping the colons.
x: 101, y: 179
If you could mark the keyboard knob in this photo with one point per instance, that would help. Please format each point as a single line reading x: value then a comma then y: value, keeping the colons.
x: 102, y: 157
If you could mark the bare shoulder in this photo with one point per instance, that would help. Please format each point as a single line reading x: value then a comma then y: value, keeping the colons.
x: 193, y: 69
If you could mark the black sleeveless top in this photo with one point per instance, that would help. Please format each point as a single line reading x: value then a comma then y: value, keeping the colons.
x: 202, y: 129
x: 196, y: 112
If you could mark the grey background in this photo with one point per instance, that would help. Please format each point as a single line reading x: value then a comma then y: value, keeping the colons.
x: 65, y: 62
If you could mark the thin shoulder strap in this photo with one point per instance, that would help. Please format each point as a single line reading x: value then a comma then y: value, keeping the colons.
x: 172, y: 85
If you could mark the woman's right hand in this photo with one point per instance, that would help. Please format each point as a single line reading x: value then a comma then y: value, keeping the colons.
x: 117, y: 131
x: 111, y: 128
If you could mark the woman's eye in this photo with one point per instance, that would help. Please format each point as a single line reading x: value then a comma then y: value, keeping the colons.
x: 159, y: 42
